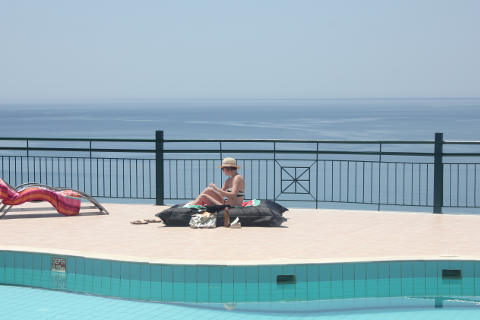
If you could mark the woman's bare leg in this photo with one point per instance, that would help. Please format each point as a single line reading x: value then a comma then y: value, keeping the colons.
x: 214, y: 194
x: 206, y: 199
x: 211, y: 193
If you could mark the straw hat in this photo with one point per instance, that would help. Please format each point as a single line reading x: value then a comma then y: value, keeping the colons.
x: 229, y: 163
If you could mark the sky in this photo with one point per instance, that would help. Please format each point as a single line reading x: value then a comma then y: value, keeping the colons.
x: 243, y: 49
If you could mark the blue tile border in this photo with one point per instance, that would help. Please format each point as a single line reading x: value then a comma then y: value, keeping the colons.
x: 230, y: 284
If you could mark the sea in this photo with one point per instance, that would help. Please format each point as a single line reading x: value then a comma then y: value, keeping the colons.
x: 327, y: 119
x: 321, y: 120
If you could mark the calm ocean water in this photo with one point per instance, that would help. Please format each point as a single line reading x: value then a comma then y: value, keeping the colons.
x: 400, y: 119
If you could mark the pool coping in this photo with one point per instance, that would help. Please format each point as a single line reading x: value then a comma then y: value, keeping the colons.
x: 308, y: 237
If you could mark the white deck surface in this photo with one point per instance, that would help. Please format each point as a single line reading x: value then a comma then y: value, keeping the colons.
x: 309, y: 236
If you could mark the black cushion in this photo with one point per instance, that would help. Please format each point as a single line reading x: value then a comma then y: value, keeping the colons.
x: 266, y: 214
x: 177, y: 215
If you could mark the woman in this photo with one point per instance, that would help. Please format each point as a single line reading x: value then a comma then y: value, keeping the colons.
x: 233, y: 191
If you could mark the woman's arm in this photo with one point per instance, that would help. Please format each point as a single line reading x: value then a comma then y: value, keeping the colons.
x: 216, y: 189
x: 236, y: 183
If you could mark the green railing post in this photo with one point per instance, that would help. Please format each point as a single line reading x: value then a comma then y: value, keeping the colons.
x: 379, y: 176
x: 159, y: 167
x: 438, y: 174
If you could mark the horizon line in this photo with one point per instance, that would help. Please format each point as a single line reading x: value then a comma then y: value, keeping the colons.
x: 75, y: 100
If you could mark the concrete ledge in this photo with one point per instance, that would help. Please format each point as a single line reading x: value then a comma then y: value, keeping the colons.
x: 309, y: 236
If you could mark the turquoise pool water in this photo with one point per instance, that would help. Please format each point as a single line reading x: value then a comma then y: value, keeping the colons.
x: 29, y: 303
x: 338, y: 290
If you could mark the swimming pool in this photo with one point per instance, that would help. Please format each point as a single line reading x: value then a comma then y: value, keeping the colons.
x: 30, y: 303
x: 309, y: 290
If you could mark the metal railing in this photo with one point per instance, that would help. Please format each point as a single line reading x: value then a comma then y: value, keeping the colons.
x: 299, y: 172
x: 111, y: 171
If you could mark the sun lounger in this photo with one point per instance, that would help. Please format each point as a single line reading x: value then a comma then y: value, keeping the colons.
x: 65, y: 201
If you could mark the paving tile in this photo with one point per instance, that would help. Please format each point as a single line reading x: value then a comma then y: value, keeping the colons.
x: 305, y: 238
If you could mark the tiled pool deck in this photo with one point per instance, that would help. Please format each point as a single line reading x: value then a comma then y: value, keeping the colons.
x: 309, y: 236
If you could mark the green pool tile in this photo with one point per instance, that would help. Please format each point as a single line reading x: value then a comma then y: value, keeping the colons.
x: 383, y: 279
x: 89, y: 267
x: 106, y: 271
x: 79, y: 265
x: 419, y: 283
x: 2, y: 267
x: 124, y: 280
x: 476, y: 265
x: 443, y: 285
x: 455, y: 286
x: 88, y: 283
x: 36, y: 269
x: 27, y: 269
x: 239, y: 284
x: 265, y: 283
x: 71, y: 282
x: 58, y: 281
x: 70, y: 264
x: 89, y: 275
x: 468, y: 278
x: 178, y: 283
x: 115, y: 280
x: 407, y: 279
x: 47, y: 262
x: 360, y: 280
x: 277, y: 289
x: 18, y: 267
x: 325, y: 282
x: 97, y: 277
x: 431, y: 280
x: 37, y: 278
x: 348, y: 280
x: 395, y: 279
x: 135, y: 271
x: 372, y: 279
x: 9, y: 268
x: 156, y: 272
x: 135, y: 283
x: 190, y: 284
x: 156, y: 285
x: 215, y: 284
x: 453, y: 264
x: 80, y: 283
x: 227, y: 284
x: 47, y: 271
x: 202, y: 284
x: 336, y: 285
x: 135, y: 290
x: 252, y: 283
x: 301, y: 288
x: 289, y: 290
x: 145, y: 281
x: 371, y: 288
x: 313, y: 276
x: 156, y: 291
x: 167, y: 282
x: 45, y: 276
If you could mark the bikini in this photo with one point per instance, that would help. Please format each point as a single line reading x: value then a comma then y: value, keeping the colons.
x: 239, y: 194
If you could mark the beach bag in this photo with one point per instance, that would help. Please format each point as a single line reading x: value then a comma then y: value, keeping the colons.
x: 203, y: 220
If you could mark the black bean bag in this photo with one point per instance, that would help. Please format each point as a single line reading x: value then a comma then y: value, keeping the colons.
x: 266, y: 214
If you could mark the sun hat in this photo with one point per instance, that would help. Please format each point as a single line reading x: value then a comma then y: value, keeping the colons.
x: 229, y: 163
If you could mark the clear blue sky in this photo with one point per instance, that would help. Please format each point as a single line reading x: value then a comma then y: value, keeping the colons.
x: 175, y: 49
